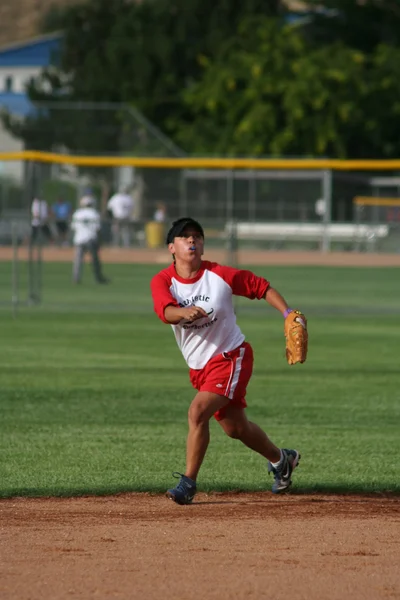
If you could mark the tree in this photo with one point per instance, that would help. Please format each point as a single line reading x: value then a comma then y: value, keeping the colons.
x: 222, y: 77
x: 270, y: 92
x: 361, y: 24
x: 142, y: 54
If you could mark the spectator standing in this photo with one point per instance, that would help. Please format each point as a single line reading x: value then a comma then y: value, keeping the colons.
x: 61, y: 212
x: 39, y: 221
x: 86, y: 224
x: 88, y: 196
x: 160, y: 214
x: 121, y: 207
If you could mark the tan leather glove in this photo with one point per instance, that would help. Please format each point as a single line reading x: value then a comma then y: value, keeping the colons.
x: 296, y: 335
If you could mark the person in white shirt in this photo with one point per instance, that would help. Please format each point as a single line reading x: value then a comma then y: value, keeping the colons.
x: 160, y: 214
x: 88, y: 198
x: 40, y: 229
x: 195, y: 297
x: 86, y: 224
x: 121, y: 206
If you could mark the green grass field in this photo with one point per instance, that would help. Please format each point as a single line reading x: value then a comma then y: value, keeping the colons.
x: 94, y: 392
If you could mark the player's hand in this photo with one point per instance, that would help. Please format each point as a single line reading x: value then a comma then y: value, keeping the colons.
x: 193, y: 313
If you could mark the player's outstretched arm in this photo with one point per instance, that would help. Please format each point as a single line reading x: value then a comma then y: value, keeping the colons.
x: 295, y: 327
x: 276, y: 300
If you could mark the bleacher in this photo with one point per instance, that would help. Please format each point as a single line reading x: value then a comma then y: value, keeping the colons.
x: 307, y: 232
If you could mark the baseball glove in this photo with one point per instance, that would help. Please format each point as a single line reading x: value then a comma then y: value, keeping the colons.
x: 296, y: 337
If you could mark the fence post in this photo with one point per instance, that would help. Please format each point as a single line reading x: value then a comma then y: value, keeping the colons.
x: 230, y: 219
x: 252, y: 196
x: 183, y: 185
x: 327, y: 217
x: 15, y: 269
x: 232, y: 239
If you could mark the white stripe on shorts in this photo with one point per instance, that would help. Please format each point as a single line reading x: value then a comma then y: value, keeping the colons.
x: 236, y: 373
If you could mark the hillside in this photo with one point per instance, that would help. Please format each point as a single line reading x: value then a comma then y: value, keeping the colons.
x: 20, y: 19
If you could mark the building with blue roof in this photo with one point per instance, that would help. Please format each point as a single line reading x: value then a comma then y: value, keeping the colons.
x: 19, y: 64
x: 37, y: 52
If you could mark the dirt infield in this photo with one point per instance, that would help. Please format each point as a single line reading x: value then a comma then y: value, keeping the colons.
x: 245, y: 257
x: 224, y: 546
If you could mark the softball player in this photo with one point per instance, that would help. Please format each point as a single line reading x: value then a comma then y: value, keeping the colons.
x: 195, y: 297
x: 86, y: 226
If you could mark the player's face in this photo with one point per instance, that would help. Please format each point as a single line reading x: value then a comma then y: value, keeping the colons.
x: 188, y: 246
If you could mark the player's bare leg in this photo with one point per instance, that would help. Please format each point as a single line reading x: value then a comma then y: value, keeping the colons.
x: 281, y: 462
x: 237, y: 426
x: 204, y: 405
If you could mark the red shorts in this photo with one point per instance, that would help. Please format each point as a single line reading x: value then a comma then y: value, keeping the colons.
x: 227, y: 375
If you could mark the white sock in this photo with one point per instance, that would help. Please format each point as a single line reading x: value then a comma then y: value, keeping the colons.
x: 279, y: 461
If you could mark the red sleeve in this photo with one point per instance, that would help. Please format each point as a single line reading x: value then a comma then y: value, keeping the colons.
x: 161, y: 294
x: 243, y: 283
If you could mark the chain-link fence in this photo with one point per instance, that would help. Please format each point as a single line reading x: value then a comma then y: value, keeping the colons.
x: 79, y: 128
x: 255, y: 209
x: 87, y: 128
x: 302, y: 207
x: 269, y: 208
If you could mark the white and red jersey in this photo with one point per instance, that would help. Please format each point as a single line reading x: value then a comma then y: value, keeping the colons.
x: 212, y: 289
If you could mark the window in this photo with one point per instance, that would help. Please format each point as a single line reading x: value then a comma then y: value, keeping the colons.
x: 8, y: 83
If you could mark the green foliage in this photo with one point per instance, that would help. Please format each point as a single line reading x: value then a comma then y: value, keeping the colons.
x: 53, y: 189
x: 361, y: 25
x: 141, y: 53
x: 94, y: 391
x: 223, y: 77
x: 270, y: 92
x: 11, y: 195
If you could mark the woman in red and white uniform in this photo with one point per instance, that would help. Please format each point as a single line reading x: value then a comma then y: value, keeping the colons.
x: 195, y: 297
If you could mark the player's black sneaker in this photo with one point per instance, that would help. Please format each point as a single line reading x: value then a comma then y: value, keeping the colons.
x: 184, y: 492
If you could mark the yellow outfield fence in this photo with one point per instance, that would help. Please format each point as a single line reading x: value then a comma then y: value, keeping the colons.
x: 203, y: 162
x: 245, y: 203
x: 376, y: 201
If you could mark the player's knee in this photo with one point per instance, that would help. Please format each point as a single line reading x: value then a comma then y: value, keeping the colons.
x: 197, y: 415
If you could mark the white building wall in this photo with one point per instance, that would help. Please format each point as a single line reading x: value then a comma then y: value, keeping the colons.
x: 8, y: 143
x: 20, y: 77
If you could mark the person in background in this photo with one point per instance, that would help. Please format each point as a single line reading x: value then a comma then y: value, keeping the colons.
x: 40, y: 229
x: 86, y: 226
x: 61, y: 210
x: 88, y: 196
x: 160, y: 214
x: 121, y: 207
